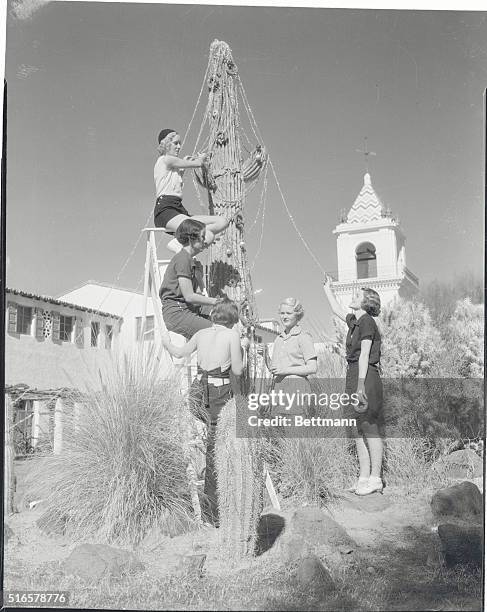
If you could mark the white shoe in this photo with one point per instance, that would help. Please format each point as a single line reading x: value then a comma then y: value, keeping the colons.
x: 174, y: 246
x: 373, y: 485
x: 361, y: 482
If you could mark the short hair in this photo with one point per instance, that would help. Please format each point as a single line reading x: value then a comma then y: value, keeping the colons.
x: 295, y: 305
x: 188, y: 231
x: 371, y: 302
x: 224, y: 312
x: 163, y: 145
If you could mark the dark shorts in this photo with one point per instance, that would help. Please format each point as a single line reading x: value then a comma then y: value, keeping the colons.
x: 181, y: 320
x: 167, y: 207
x: 373, y: 390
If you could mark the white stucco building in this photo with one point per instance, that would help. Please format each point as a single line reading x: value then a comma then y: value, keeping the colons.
x: 125, y: 303
x: 371, y: 251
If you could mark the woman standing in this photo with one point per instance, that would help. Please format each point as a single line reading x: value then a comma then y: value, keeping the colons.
x: 363, y: 358
x: 294, y: 356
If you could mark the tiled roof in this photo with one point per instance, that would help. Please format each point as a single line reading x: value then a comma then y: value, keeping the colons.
x: 367, y: 207
x: 51, y: 300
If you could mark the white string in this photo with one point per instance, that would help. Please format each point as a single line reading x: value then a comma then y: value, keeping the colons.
x: 259, y: 136
x: 134, y: 248
x: 264, y: 192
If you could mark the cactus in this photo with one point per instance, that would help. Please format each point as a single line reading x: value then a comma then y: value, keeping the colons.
x: 240, y: 477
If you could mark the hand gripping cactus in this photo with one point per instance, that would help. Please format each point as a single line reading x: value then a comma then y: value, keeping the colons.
x: 240, y: 475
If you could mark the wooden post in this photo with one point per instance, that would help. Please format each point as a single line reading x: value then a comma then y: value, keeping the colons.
x: 9, y: 454
x: 58, y: 426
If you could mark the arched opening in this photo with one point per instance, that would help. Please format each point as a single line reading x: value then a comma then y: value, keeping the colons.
x: 366, y: 260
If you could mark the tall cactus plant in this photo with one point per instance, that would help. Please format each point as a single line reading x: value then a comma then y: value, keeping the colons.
x: 240, y: 476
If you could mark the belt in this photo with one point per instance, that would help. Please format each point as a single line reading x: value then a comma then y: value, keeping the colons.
x: 215, y: 380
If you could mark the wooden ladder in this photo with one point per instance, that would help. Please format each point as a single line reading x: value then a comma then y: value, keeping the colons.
x: 152, y: 284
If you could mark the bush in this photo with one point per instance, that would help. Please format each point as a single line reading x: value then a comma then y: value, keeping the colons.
x: 465, y: 339
x: 122, y: 469
x: 311, y: 469
x: 411, y: 345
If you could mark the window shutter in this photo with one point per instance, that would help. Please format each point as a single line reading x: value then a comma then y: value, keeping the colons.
x: 78, y: 332
x: 39, y: 323
x: 56, y: 324
x: 12, y: 317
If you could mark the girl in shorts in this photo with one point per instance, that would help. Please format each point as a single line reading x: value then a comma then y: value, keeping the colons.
x: 363, y: 358
x: 169, y: 211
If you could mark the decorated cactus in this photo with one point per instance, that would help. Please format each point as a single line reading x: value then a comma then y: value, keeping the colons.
x: 240, y: 474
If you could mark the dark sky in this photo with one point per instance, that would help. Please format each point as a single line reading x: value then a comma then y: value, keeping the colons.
x: 91, y: 84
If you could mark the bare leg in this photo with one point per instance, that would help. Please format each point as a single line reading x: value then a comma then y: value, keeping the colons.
x: 375, y: 445
x: 363, y: 457
x: 175, y: 222
x: 214, y: 223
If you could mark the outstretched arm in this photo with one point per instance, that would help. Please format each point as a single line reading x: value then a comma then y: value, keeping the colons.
x: 176, y: 163
x: 179, y: 351
x: 190, y: 297
x: 334, y: 305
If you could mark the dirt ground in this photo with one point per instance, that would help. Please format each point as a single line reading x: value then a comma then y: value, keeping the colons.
x: 394, y: 533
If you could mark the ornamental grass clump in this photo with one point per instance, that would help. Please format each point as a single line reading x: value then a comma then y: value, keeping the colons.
x: 122, y: 469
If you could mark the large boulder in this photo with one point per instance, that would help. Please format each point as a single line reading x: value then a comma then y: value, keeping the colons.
x: 459, y: 464
x: 93, y: 562
x: 309, y: 532
x: 462, y: 501
x: 461, y: 544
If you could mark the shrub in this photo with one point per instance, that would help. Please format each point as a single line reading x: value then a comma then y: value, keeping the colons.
x: 465, y: 335
x: 122, y: 469
x: 317, y: 468
x: 411, y: 345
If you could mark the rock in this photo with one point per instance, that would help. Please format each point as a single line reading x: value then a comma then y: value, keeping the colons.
x: 312, y: 574
x: 192, y: 565
x: 371, y: 570
x: 462, y: 544
x: 459, y: 464
x: 95, y: 561
x: 51, y: 523
x: 311, y: 531
x: 461, y: 501
x: 7, y: 533
x: 317, y: 527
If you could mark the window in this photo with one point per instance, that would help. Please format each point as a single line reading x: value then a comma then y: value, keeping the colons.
x: 24, y: 319
x: 108, y: 336
x: 66, y: 328
x: 366, y: 260
x: 95, y: 332
x: 149, y: 328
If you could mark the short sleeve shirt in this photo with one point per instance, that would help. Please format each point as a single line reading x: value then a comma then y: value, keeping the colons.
x: 365, y: 328
x: 293, y: 349
x: 181, y: 265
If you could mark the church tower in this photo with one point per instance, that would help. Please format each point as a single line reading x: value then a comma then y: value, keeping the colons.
x: 371, y: 251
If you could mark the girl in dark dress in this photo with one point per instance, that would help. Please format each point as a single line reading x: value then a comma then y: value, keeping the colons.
x: 363, y: 358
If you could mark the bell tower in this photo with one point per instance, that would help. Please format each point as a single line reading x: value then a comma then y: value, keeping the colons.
x: 371, y: 250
